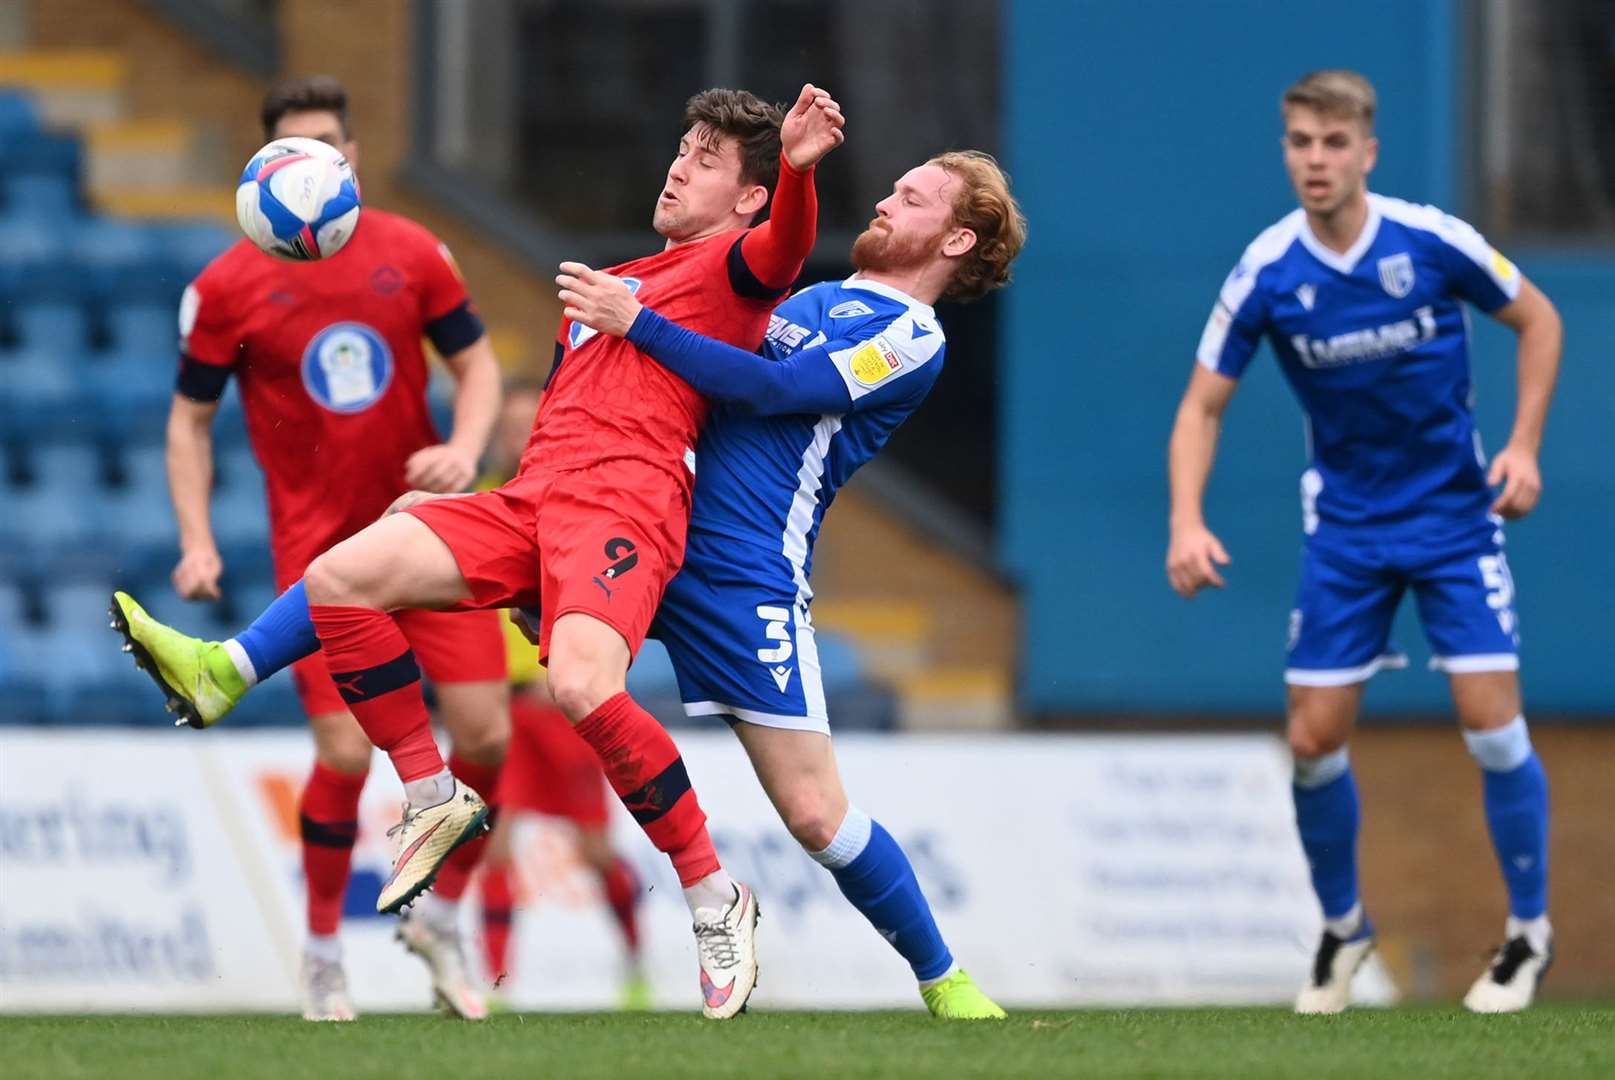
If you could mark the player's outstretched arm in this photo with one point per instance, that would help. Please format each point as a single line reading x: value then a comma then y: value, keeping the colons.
x: 190, y: 481
x: 806, y: 382
x: 1194, y: 553
x: 451, y: 466
x: 773, y: 253
x: 1533, y: 317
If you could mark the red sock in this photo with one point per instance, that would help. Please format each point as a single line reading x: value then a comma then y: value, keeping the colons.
x: 647, y: 773
x: 622, y: 893
x: 329, y: 816
x: 456, y: 873
x: 498, y: 913
x: 377, y: 676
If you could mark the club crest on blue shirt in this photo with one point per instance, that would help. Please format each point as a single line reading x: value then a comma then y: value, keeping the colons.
x: 1396, y: 274
x: 347, y: 367
x: 577, y: 333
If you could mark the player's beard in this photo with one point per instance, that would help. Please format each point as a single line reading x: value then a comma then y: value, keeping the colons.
x: 881, y: 249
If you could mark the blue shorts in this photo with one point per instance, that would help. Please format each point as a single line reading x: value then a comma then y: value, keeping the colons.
x: 736, y: 626
x: 1340, y: 629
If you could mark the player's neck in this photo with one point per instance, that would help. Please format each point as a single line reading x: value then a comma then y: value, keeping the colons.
x: 913, y: 283
x: 705, y: 234
x: 1339, y: 230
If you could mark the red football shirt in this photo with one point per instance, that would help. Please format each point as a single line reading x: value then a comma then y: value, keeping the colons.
x: 606, y: 399
x: 332, y: 371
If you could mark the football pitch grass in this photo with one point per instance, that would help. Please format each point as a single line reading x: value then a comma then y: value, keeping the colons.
x: 1557, y: 1040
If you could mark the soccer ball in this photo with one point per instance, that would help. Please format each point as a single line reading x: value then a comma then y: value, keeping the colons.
x: 298, y: 199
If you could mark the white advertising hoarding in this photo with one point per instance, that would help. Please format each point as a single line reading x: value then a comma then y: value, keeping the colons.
x: 161, y: 871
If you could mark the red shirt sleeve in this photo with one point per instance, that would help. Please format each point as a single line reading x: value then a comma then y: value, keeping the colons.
x: 442, y: 287
x: 775, y: 251
x: 209, y: 331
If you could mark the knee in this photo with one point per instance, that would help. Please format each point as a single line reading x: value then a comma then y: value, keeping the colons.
x: 579, y: 689
x: 328, y: 581
x: 810, y: 820
x: 1310, y: 741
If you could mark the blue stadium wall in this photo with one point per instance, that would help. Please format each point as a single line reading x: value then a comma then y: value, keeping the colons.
x: 1144, y: 140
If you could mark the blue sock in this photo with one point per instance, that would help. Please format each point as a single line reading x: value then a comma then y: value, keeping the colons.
x: 282, y: 635
x: 1326, y: 815
x: 1516, y: 794
x: 875, y: 875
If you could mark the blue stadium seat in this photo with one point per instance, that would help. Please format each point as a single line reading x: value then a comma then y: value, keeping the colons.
x: 74, y: 470
x: 26, y: 241
x: 18, y: 116
x: 240, y: 516
x: 148, y: 328
x: 51, y: 325
x: 840, y: 663
x: 131, y: 391
x: 39, y: 392
x: 139, y: 515
x: 191, y: 245
x: 104, y: 243
x: 40, y: 196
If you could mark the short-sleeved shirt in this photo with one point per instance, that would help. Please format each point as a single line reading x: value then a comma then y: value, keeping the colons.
x: 332, y: 370
x: 1375, y: 344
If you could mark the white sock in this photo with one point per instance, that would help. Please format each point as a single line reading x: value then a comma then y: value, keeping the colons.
x: 953, y: 969
x: 1538, y: 932
x: 429, y: 790
x: 438, y: 912
x: 243, y: 662
x: 851, y: 837
x: 715, y: 892
x: 1346, y: 925
x: 326, y: 948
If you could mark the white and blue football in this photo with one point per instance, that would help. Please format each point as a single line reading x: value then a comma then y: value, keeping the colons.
x: 298, y: 199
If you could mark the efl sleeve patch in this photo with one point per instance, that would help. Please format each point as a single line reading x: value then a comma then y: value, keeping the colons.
x: 874, y: 362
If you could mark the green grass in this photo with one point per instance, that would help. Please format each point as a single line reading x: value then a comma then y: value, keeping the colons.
x: 1558, y: 1041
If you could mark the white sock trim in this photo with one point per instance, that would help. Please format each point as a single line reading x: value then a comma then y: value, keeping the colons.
x: 1537, y: 931
x: 326, y: 948
x: 430, y: 790
x: 1348, y: 924
x: 1502, y: 749
x: 1317, y: 771
x: 953, y: 969
x: 242, y: 661
x: 715, y: 892
x: 849, y: 842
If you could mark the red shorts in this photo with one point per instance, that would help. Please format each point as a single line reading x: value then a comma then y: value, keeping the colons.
x: 603, y: 540
x: 548, y: 769
x: 451, y: 646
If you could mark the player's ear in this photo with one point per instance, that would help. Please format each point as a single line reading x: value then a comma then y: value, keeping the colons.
x: 958, y: 242
x: 350, y: 150
x: 1370, y: 155
x: 751, y: 200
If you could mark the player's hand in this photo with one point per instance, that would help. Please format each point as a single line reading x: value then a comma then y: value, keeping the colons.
x: 596, y: 299
x: 440, y: 468
x: 812, y: 128
x: 1516, y: 469
x: 1192, y: 559
x: 525, y: 623
x: 196, y: 576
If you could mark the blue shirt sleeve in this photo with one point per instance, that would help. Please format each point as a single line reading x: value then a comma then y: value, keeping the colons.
x: 1236, y: 325
x: 805, y: 382
x: 1476, y: 271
